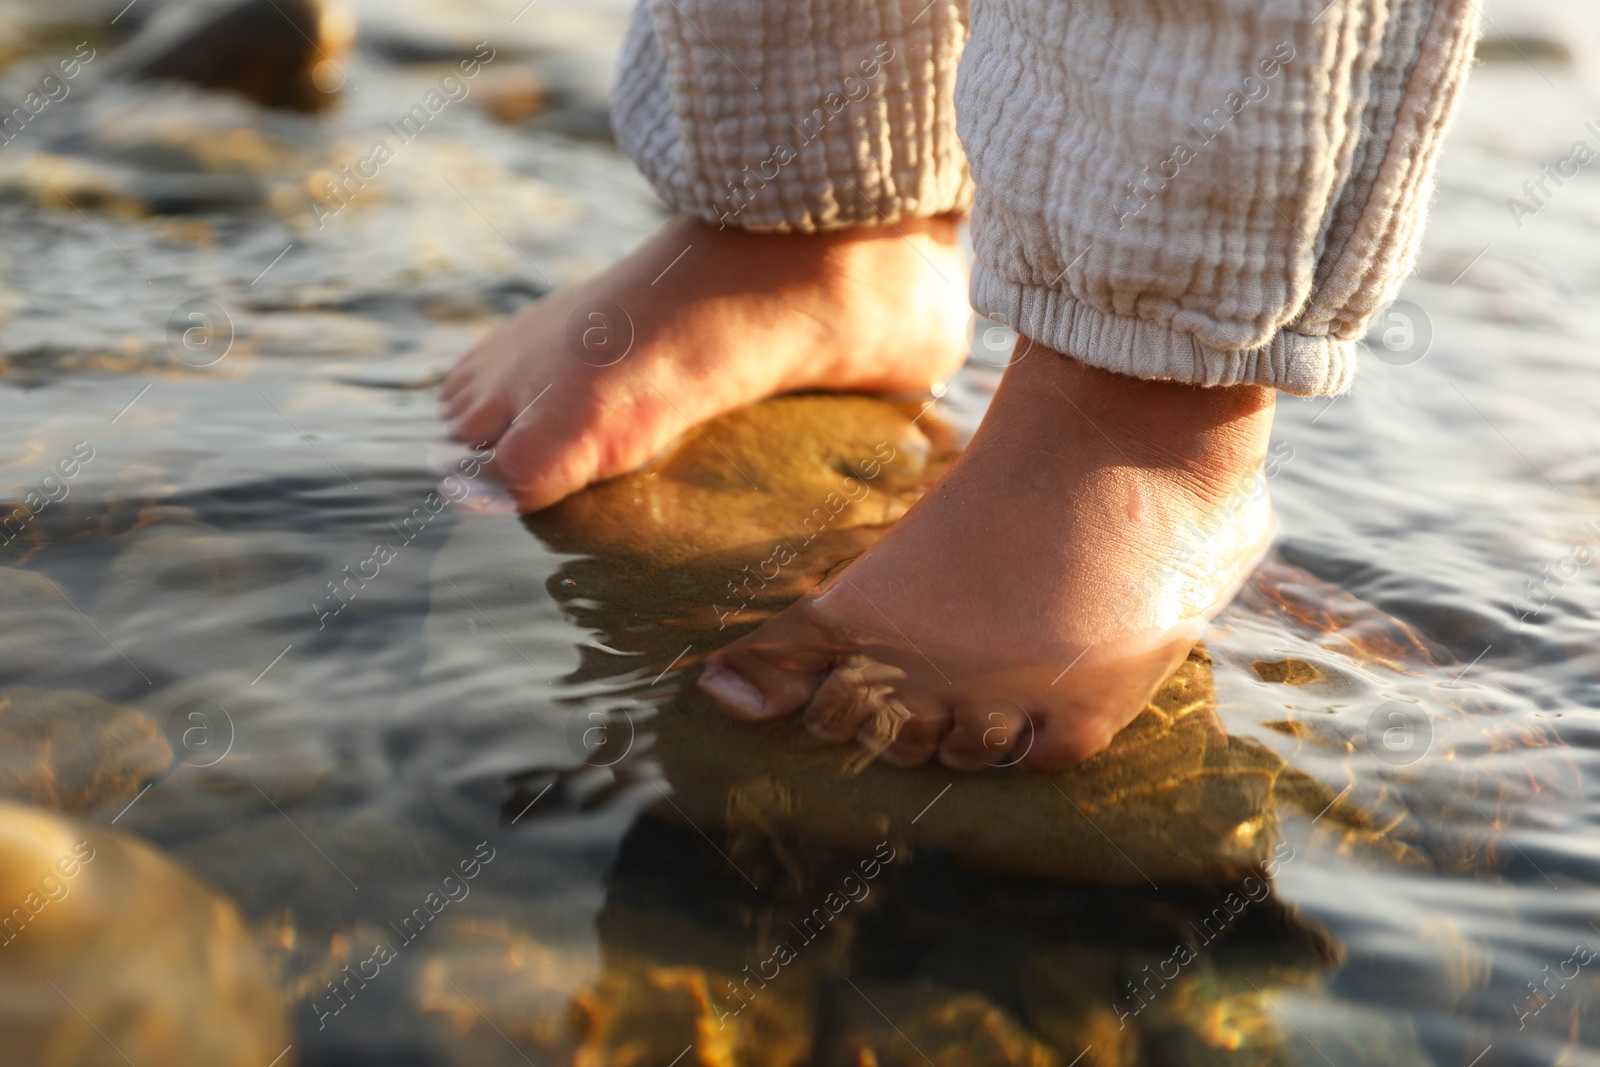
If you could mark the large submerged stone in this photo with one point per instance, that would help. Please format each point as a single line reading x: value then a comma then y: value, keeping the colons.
x: 676, y: 566
x: 111, y: 954
x: 791, y: 902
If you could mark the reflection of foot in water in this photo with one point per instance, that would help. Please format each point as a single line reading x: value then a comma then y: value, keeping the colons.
x: 742, y: 317
x: 1029, y: 606
x: 972, y: 967
x: 1094, y: 514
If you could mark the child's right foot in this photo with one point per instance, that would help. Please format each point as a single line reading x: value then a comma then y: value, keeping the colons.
x: 698, y: 322
x: 1032, y: 602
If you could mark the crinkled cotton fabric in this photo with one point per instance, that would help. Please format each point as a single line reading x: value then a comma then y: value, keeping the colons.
x: 1219, y: 193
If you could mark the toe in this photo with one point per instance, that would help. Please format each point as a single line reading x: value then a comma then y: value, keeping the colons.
x: 917, y: 738
x: 871, y: 702
x: 844, y: 703
x: 477, y: 423
x: 772, y: 672
x: 466, y: 371
x: 1062, y: 740
x: 456, y: 403
x: 996, y: 734
x: 541, y: 457
x: 858, y: 695
x: 733, y: 692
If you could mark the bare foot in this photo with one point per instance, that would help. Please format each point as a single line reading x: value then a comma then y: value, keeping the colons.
x: 1031, y: 604
x: 698, y: 322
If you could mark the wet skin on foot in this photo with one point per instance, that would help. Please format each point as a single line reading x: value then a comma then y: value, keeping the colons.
x: 1025, y: 609
x: 695, y: 323
x: 1029, y: 606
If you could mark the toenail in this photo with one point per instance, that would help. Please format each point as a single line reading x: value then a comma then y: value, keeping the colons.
x: 730, y: 689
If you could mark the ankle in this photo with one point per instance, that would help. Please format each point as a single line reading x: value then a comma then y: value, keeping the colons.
x: 885, y: 260
x: 940, y: 229
x: 889, y: 295
x: 1205, y: 437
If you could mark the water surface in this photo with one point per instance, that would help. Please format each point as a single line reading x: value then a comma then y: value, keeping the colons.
x: 1416, y: 679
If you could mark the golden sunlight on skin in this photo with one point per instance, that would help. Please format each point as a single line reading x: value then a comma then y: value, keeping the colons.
x: 1029, y: 606
x: 596, y: 379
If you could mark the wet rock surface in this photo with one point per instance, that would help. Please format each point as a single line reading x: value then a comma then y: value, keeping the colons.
x: 1175, y: 798
x: 74, y: 752
x: 149, y: 965
x: 761, y: 913
x: 276, y: 53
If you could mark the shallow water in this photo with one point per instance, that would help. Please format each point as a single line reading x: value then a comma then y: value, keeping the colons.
x: 1423, y: 806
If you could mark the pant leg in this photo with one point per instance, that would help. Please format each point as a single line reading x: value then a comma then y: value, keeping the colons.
x: 1216, y: 191
x: 795, y: 115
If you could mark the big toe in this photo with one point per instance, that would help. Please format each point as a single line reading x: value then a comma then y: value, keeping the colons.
x: 474, y: 421
x: 878, y: 705
x: 994, y: 734
x: 544, y: 457
x: 770, y: 673
x: 791, y: 663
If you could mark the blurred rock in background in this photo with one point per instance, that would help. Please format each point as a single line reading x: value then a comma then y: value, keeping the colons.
x: 277, y: 53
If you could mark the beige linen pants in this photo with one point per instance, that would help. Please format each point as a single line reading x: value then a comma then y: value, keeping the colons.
x: 1209, y: 191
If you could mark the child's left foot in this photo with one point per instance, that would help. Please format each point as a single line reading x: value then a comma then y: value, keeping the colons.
x: 1032, y: 603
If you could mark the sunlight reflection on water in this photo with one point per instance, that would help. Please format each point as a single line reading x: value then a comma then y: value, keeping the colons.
x: 1402, y: 733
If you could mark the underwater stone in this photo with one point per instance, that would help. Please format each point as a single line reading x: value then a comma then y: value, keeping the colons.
x: 43, y: 640
x: 1288, y: 671
x: 111, y: 954
x: 74, y: 752
x: 1175, y: 799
